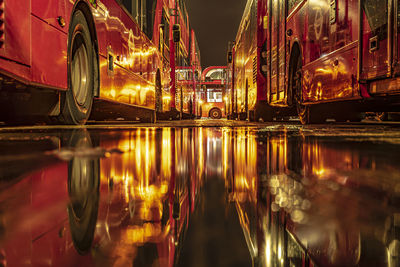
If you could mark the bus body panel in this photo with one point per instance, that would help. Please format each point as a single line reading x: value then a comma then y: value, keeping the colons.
x: 50, y: 10
x: 49, y: 55
x: 278, y: 48
x: 249, y: 84
x: 132, y: 79
x: 332, y: 77
x: 15, y: 70
x: 330, y: 53
x: 16, y: 37
x: 165, y: 48
x: 246, y: 59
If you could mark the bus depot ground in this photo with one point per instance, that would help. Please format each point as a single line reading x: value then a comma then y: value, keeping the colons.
x: 236, y: 191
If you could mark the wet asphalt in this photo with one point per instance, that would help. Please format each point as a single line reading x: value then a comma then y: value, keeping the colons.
x: 200, y: 193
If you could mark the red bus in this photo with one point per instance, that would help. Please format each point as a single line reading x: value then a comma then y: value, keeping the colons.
x: 195, y: 61
x: 188, y: 80
x: 178, y: 60
x: 214, y: 82
x: 103, y: 51
x: 179, y: 35
x: 318, y: 59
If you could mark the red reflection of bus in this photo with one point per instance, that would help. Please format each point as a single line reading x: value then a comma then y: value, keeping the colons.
x: 318, y: 59
x: 58, y: 57
x: 214, y: 82
x: 76, y: 212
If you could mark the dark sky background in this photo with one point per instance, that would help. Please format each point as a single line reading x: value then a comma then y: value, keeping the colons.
x: 215, y: 23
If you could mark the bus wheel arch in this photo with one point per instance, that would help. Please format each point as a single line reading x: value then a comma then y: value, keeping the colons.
x: 306, y: 113
x: 215, y: 113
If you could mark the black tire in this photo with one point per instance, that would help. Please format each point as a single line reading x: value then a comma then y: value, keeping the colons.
x: 215, y: 113
x: 78, y: 99
x: 83, y: 190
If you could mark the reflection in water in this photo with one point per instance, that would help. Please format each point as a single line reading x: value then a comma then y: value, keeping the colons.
x: 151, y: 193
x: 128, y: 207
x: 129, y: 198
x: 83, y: 189
x: 315, y: 201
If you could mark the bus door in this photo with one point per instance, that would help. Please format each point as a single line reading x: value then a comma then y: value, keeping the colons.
x: 278, y: 48
x: 376, y: 47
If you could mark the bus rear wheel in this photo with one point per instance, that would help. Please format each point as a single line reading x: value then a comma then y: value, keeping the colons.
x: 215, y: 113
x: 78, y: 99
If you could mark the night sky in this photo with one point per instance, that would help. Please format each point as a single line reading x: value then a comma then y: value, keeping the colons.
x: 215, y: 23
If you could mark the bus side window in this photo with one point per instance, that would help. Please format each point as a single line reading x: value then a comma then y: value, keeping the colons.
x: 332, y: 12
x: 128, y: 4
x: 165, y: 22
x: 132, y: 6
x: 377, y: 15
x: 136, y: 10
x: 149, y: 11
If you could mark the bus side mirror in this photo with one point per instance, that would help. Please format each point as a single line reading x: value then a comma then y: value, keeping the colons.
x: 230, y: 57
x: 176, y: 33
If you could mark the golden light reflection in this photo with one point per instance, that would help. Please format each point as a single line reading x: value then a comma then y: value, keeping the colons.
x: 135, y: 180
x: 150, y: 182
x: 303, y: 190
x: 241, y: 167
